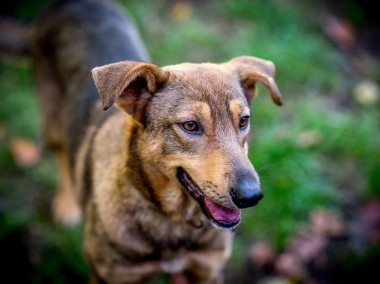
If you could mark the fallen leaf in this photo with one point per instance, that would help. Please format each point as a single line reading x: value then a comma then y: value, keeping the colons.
x: 326, y: 222
x: 290, y: 266
x: 24, y: 152
x: 339, y: 30
x: 262, y: 253
x: 369, y: 216
x: 181, y: 11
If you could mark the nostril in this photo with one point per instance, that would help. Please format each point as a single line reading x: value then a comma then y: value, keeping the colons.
x: 233, y: 192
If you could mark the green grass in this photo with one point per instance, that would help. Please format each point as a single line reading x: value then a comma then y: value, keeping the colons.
x: 314, y: 151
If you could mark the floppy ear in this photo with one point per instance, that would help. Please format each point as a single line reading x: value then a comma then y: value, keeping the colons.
x: 252, y: 70
x: 128, y: 84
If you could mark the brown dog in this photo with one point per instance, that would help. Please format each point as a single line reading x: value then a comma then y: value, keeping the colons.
x: 158, y: 179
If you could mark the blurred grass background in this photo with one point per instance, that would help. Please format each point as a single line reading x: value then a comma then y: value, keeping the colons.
x: 320, y: 150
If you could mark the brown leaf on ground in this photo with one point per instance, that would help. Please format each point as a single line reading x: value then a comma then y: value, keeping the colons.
x: 339, y: 30
x: 181, y: 11
x: 366, y: 224
x: 290, y: 266
x: 326, y: 222
x: 262, y: 253
x: 24, y: 152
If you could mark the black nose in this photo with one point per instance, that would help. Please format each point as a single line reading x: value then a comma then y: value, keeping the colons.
x: 246, y: 192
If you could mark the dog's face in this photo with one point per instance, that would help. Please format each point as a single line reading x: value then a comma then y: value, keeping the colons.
x: 196, y: 121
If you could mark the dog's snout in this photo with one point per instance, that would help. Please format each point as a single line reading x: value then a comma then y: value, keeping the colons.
x: 246, y: 192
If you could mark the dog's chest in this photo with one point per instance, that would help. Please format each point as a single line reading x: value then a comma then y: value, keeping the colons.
x: 168, y: 236
x: 175, y: 246
x: 164, y: 239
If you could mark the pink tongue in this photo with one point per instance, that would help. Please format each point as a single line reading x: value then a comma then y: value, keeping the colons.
x: 221, y: 213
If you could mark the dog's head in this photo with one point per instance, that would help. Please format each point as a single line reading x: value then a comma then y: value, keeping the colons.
x: 195, y: 120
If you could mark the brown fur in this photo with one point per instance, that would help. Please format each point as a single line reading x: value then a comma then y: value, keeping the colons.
x: 154, y: 196
x: 136, y: 157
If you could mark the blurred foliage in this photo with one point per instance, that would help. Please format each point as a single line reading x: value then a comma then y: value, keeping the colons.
x: 320, y: 149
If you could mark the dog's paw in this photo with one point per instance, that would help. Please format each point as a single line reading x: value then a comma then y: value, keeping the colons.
x: 66, y: 210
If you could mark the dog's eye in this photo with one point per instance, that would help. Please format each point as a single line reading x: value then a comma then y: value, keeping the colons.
x: 244, y: 121
x: 191, y: 126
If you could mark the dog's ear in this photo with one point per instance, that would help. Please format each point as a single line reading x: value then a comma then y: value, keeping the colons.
x: 129, y: 85
x: 252, y: 70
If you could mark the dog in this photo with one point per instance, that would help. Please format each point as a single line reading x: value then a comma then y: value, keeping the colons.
x: 153, y: 159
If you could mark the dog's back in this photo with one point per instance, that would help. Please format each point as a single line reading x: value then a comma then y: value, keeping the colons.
x: 67, y: 40
x: 72, y: 37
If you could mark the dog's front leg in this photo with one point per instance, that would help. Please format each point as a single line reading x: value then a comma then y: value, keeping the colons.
x: 182, y: 278
x: 125, y: 273
x: 65, y: 206
x: 205, y: 267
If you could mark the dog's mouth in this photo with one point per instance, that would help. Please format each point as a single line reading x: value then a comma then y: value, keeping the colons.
x: 218, y: 214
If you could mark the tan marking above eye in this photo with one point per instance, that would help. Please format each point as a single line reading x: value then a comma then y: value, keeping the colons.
x: 240, y: 112
x: 203, y: 110
x: 195, y: 117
